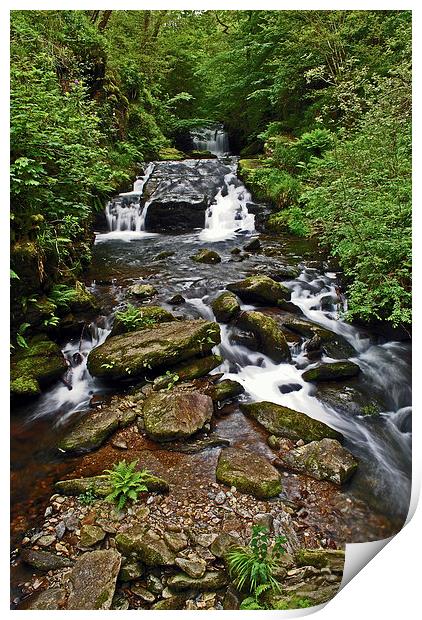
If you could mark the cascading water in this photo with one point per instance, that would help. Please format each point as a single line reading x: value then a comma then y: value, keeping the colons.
x: 214, y: 139
x: 228, y: 214
x: 125, y: 213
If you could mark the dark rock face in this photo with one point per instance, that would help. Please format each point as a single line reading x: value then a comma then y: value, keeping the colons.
x: 323, y: 460
x: 249, y: 472
x: 129, y: 355
x: 284, y: 422
x: 334, y: 345
x: 180, y: 192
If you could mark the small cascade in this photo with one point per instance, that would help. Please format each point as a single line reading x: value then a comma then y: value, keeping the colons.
x: 214, y: 139
x: 125, y: 213
x: 228, y: 215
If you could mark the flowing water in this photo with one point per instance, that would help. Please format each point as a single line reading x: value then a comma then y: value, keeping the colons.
x: 127, y: 253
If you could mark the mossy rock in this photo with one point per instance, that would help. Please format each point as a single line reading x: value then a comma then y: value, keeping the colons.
x: 185, y: 372
x: 82, y: 300
x: 95, y: 426
x: 249, y: 472
x: 225, y: 390
x: 335, y: 346
x: 170, y: 154
x: 196, y: 154
x: 147, y: 315
x: 143, y: 291
x: 146, y: 546
x: 271, y: 340
x: 260, y: 289
x: 101, y: 487
x: 335, y: 371
x: 163, y: 345
x: 284, y: 422
x: 36, y: 367
x: 321, y: 558
x: 176, y: 415
x: 323, y: 460
x: 209, y: 582
x: 206, y: 256
x: 225, y: 307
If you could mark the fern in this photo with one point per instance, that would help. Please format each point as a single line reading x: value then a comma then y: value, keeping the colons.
x: 126, y: 483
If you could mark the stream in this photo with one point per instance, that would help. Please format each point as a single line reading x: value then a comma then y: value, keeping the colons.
x: 127, y: 251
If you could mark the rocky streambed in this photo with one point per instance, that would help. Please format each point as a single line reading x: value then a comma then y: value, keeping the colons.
x: 235, y: 383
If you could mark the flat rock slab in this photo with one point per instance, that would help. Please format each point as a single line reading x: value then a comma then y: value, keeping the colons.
x: 211, y: 580
x: 97, y: 425
x: 166, y: 344
x: 260, y: 289
x: 284, y: 422
x: 176, y: 415
x: 321, y: 558
x: 323, y: 460
x: 101, y: 487
x: 249, y: 472
x: 93, y: 580
x: 44, y: 560
x: 335, y: 371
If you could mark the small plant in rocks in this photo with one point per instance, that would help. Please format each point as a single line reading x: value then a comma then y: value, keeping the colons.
x: 88, y: 497
x: 133, y: 318
x: 253, y: 567
x: 126, y: 483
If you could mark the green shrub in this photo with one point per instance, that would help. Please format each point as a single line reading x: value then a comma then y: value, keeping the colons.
x: 316, y: 141
x: 277, y: 186
x: 133, y: 318
x: 126, y: 482
x: 292, y: 220
x: 253, y: 567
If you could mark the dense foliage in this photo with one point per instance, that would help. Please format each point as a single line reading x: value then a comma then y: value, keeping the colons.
x: 321, y: 99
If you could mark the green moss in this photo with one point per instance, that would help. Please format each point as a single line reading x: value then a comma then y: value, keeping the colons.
x: 37, y: 366
x: 25, y: 387
x: 331, y: 371
x: 271, y: 339
x: 206, y: 256
x: 225, y: 307
x: 260, y: 289
x: 170, y: 154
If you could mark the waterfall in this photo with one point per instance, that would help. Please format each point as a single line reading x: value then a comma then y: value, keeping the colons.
x: 214, y: 140
x: 125, y: 213
x: 228, y: 215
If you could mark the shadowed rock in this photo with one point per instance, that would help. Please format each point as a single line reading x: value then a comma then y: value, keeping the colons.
x: 93, y: 580
x: 249, y: 472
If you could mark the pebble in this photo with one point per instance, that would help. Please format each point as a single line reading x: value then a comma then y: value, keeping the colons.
x: 48, y: 511
x: 46, y: 541
x: 220, y: 498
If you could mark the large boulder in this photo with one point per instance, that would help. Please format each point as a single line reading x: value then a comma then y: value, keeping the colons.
x: 35, y: 367
x: 93, y: 580
x: 284, y: 422
x: 95, y: 426
x: 260, y: 289
x: 333, y: 371
x: 225, y: 390
x: 269, y: 337
x: 185, y: 372
x: 249, y: 472
x: 146, y: 546
x: 225, y: 307
x: 101, y: 487
x: 323, y: 460
x: 176, y: 414
x: 333, y: 344
x: 129, y: 355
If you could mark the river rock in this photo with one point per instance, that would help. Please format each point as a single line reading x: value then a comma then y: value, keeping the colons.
x: 333, y: 345
x: 147, y: 314
x: 260, y: 289
x: 252, y: 246
x: 333, y: 371
x: 351, y: 398
x: 225, y: 390
x: 91, y: 535
x: 35, y: 368
x: 176, y: 300
x: 284, y: 422
x: 249, y: 472
x: 93, y: 580
x: 195, y: 568
x: 172, y: 603
x: 321, y: 558
x: 176, y: 414
x: 270, y: 338
x: 225, y: 307
x: 142, y: 593
x: 177, y: 541
x: 211, y: 580
x: 129, y: 355
x: 95, y: 426
x: 44, y: 560
x: 130, y: 570
x: 323, y: 460
x: 223, y: 543
x: 143, y: 291
x: 146, y: 546
x: 101, y: 487
x: 51, y: 599
x: 185, y: 372
x: 206, y: 256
